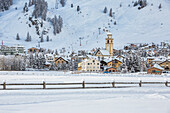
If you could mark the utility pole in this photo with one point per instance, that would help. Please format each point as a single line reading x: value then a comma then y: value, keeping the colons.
x: 81, y: 38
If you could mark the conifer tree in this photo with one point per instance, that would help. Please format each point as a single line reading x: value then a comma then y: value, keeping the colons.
x: 78, y: 8
x: 17, y: 38
x: 47, y: 39
x: 160, y: 6
x: 105, y: 10
x: 63, y: 2
x: 40, y: 9
x: 111, y: 14
x: 71, y: 5
x: 28, y: 38
x: 42, y: 39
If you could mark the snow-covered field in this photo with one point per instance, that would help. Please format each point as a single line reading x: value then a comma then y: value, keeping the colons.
x: 146, y: 99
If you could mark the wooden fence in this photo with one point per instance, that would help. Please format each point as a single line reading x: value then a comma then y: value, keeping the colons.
x: 82, y: 85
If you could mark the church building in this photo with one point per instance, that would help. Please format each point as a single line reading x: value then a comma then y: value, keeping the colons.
x: 108, y: 51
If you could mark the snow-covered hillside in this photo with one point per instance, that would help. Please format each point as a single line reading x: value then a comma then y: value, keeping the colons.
x: 133, y: 26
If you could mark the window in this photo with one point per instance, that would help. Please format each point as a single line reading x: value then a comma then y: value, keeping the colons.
x: 115, y: 61
x: 88, y: 64
x: 97, y: 63
x: 153, y: 71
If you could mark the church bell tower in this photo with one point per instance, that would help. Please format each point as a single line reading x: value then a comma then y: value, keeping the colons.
x: 109, y: 43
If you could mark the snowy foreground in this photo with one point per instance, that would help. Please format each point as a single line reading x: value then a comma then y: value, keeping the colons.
x: 146, y: 99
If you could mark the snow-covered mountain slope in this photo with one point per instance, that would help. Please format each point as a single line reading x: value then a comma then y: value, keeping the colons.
x: 133, y: 26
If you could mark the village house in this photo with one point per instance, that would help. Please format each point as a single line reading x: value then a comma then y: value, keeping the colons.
x: 89, y: 65
x: 158, y: 60
x: 149, y: 60
x: 156, y: 69
x: 33, y: 50
x: 110, y: 69
x: 60, y: 61
x: 13, y: 50
x: 114, y: 63
x: 165, y: 65
x: 49, y: 59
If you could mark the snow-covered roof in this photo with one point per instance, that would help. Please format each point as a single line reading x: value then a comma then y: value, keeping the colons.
x: 47, y: 63
x: 158, y: 67
x: 112, y: 58
x: 108, y: 59
x: 150, y: 57
x: 109, y: 33
x: 105, y: 52
x: 94, y: 57
x: 49, y: 56
x: 159, y: 59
